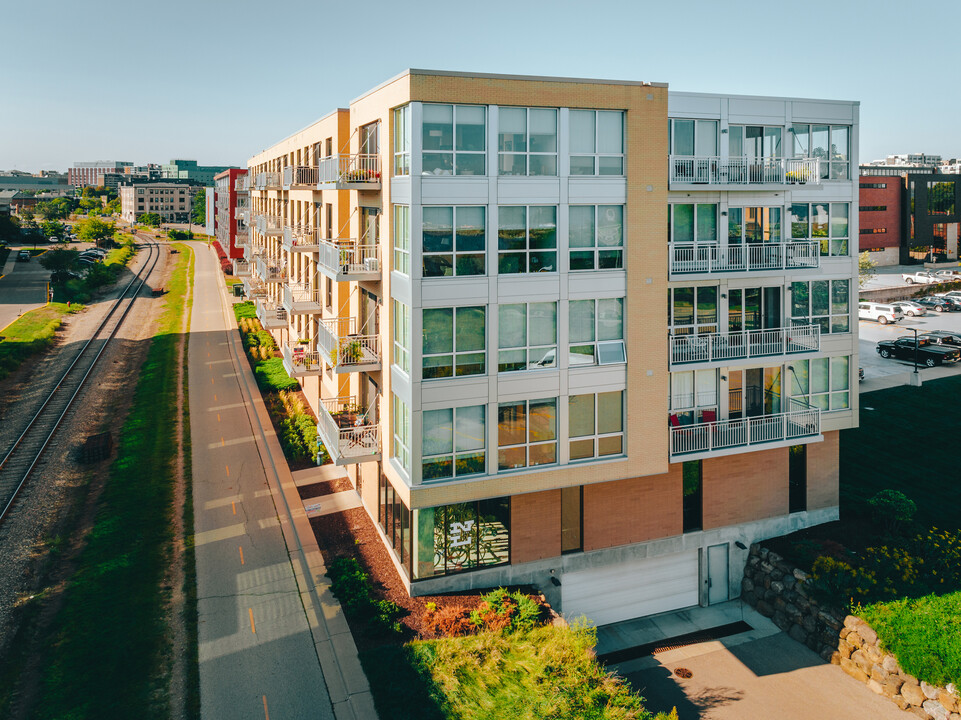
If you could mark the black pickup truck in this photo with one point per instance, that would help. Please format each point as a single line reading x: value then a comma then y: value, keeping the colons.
x: 927, y: 352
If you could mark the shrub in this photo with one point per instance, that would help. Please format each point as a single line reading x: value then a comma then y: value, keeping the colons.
x: 351, y: 585
x: 245, y: 310
x: 271, y: 375
x: 448, y: 621
x: 503, y: 610
x: 892, y: 509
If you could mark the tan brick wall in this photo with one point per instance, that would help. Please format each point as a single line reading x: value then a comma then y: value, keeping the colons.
x: 633, y: 510
x: 535, y: 526
x: 823, y: 472
x: 745, y: 487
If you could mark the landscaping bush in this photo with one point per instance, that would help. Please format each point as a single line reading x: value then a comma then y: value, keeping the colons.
x: 503, y: 610
x: 245, y: 310
x: 447, y: 621
x: 351, y: 585
x: 270, y: 375
x: 892, y: 509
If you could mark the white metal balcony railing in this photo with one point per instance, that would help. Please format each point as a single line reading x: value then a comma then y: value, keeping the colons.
x: 302, y: 299
x: 270, y: 270
x: 717, y: 170
x: 270, y: 224
x: 267, y: 181
x: 271, y: 314
x: 344, y: 349
x: 299, y: 361
x: 242, y: 183
x: 348, y: 260
x: 241, y: 268
x: 688, y: 258
x: 723, y: 347
x: 299, y: 175
x: 254, y: 288
x: 300, y: 238
x: 252, y: 252
x: 349, y: 170
x: 800, y: 422
x: 242, y: 213
x: 347, y: 432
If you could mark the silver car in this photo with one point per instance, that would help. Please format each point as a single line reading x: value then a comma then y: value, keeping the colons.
x: 911, y: 309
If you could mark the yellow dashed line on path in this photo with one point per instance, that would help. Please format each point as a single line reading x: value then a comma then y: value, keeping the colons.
x: 241, y: 555
x: 253, y: 628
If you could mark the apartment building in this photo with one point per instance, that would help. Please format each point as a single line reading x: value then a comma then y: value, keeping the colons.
x: 880, y: 217
x: 171, y: 200
x: 230, y: 210
x: 83, y: 174
x: 426, y: 255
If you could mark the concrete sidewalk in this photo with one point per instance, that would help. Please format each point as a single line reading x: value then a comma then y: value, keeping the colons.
x: 296, y: 680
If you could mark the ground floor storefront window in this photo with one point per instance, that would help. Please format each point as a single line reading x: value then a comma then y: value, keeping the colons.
x: 466, y: 536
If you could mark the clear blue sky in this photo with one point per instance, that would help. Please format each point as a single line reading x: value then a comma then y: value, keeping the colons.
x: 218, y: 80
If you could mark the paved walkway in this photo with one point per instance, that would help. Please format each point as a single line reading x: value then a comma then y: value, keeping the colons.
x: 762, y: 673
x: 23, y: 287
x: 273, y: 640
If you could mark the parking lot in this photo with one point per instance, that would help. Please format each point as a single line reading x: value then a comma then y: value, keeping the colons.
x: 879, y: 372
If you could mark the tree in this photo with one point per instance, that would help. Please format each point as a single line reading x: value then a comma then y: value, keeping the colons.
x: 150, y: 219
x: 9, y: 229
x: 96, y: 231
x: 59, y: 262
x: 866, y: 268
x: 199, y: 212
x: 56, y: 209
x: 52, y: 228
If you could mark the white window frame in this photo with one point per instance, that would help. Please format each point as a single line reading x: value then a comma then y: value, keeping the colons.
x: 454, y: 152
x: 402, y: 141
x: 527, y: 153
x: 595, y: 155
x: 612, y: 348
x: 838, y: 394
x: 528, y: 443
x: 400, y: 447
x: 454, y: 253
x: 527, y: 250
x: 829, y: 242
x: 454, y: 453
x: 831, y: 316
x: 595, y: 250
x: 454, y: 353
x: 595, y: 437
x: 401, y: 318
x: 542, y: 351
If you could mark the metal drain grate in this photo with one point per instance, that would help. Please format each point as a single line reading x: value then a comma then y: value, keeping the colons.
x: 639, y: 651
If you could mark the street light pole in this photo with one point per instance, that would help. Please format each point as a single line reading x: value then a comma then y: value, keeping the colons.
x: 915, y: 330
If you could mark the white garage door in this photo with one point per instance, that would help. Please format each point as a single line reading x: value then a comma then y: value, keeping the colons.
x: 633, y: 589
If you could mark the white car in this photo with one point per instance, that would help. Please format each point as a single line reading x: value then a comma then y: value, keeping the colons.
x: 881, y: 312
x: 911, y: 309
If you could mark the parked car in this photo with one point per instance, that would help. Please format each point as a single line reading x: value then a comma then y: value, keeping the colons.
x: 943, y: 337
x: 860, y: 374
x: 953, y: 302
x: 94, y: 252
x: 23, y: 256
x: 950, y: 293
x: 925, y: 351
x: 936, y: 303
x: 87, y: 260
x: 921, y: 278
x: 883, y: 313
x: 911, y: 309
x: 951, y: 275
x: 54, y: 239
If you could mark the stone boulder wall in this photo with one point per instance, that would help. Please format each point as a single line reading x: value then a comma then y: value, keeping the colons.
x: 781, y: 592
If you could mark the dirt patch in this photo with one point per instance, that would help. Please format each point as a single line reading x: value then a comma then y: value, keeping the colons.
x: 325, y: 487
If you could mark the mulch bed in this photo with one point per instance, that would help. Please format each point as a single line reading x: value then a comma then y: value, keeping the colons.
x: 327, y: 487
x: 352, y: 534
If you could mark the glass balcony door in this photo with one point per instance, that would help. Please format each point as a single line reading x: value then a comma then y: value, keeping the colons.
x: 755, y: 308
x: 754, y: 392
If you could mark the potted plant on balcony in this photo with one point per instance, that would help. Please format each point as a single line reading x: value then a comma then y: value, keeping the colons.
x: 346, y: 417
x: 796, y: 177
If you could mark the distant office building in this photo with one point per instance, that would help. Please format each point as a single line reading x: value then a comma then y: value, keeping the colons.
x: 171, y: 200
x: 16, y: 180
x: 231, y: 209
x: 190, y: 170
x: 83, y: 174
x: 879, y: 206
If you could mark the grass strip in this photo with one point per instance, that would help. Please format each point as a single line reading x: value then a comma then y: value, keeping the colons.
x: 924, y: 634
x: 34, y: 332
x: 111, y: 635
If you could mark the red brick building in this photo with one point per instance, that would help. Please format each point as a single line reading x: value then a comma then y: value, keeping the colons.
x: 227, y: 200
x: 879, y: 204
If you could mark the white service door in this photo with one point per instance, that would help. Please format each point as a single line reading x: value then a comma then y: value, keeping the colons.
x: 633, y: 589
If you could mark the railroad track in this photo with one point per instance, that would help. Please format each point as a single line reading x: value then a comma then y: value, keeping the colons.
x: 22, y: 457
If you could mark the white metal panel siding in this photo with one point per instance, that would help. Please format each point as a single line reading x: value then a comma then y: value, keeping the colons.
x: 634, y: 589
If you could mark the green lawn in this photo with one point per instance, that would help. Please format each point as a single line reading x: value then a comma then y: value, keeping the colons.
x: 924, y: 634
x: 32, y: 333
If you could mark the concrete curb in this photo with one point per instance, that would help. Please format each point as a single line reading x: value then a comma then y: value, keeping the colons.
x: 346, y: 682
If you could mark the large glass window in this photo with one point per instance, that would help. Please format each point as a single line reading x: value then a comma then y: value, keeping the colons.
x: 527, y: 239
x: 693, y: 137
x: 693, y: 495
x: 940, y: 197
x: 454, y: 442
x: 824, y: 222
x: 455, y: 538
x: 402, y: 140
x: 754, y: 142
x: 693, y: 396
x: 402, y: 239
x: 822, y: 302
x: 690, y: 223
x: 829, y: 143
x: 596, y: 237
x: 527, y: 336
x: 401, y: 445
x: 692, y: 310
x: 596, y: 331
x: 526, y: 433
x: 395, y: 519
x: 454, y: 139
x: 454, y: 241
x: 596, y: 425
x: 822, y: 382
x: 527, y: 141
x: 753, y: 225
x: 597, y: 142
x: 454, y: 342
x: 401, y: 314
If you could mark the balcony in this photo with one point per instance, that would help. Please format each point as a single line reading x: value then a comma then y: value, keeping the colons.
x: 302, y: 300
x: 349, y: 172
x: 271, y: 314
x: 727, y: 437
x: 241, y: 268
x: 270, y: 270
x: 251, y: 252
x: 254, y: 288
x: 346, y: 351
x: 299, y: 176
x: 347, y: 432
x: 348, y: 261
x: 242, y: 213
x: 730, y: 347
x: 242, y: 183
x: 267, y: 181
x: 688, y: 259
x: 269, y: 225
x: 299, y: 361
x: 701, y: 172
x: 298, y: 238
